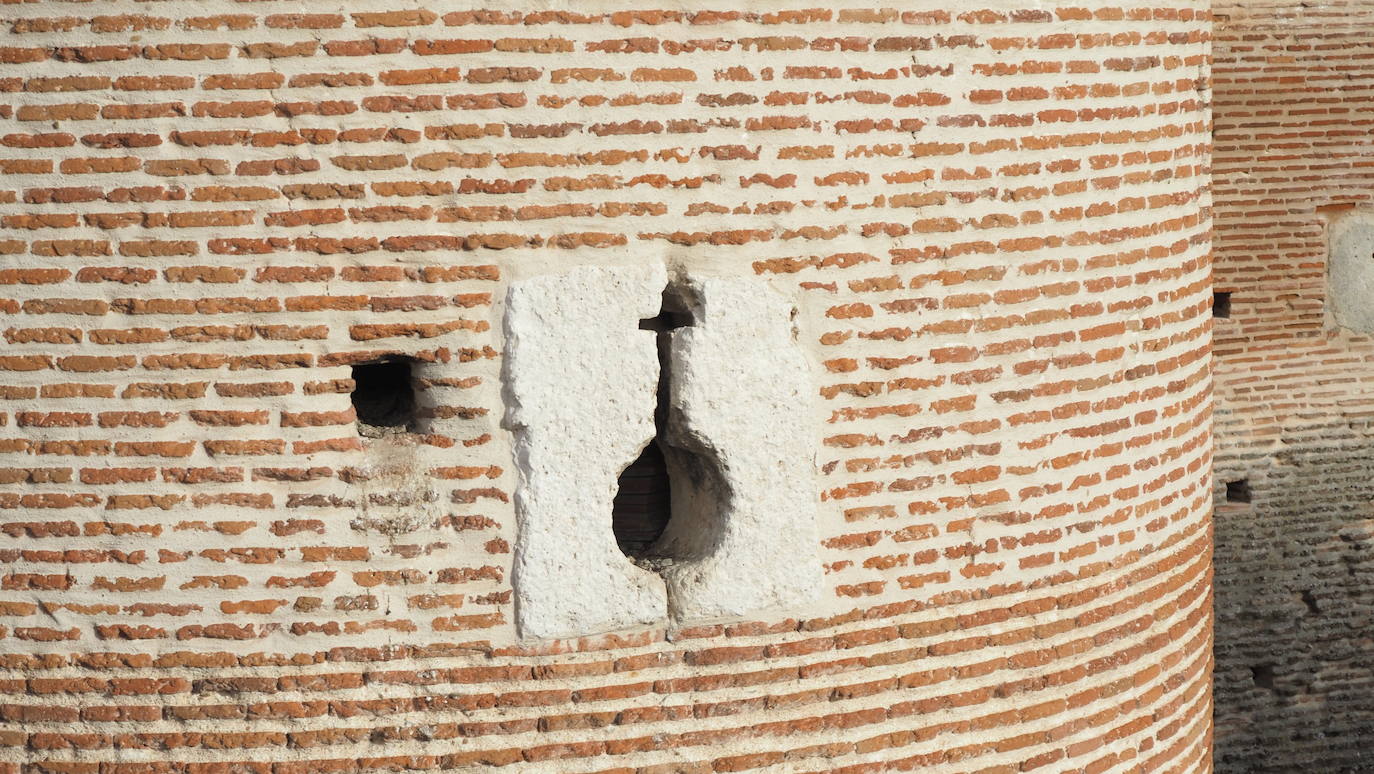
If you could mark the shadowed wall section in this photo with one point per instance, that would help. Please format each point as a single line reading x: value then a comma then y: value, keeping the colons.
x: 993, y: 224
x: 1295, y: 527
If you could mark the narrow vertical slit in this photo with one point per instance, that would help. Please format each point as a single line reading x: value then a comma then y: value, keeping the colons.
x: 643, y: 501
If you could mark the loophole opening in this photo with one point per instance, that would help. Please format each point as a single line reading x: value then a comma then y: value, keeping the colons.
x: 643, y: 502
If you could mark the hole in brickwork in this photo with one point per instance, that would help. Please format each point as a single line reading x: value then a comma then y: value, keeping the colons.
x: 643, y: 500
x: 1221, y: 304
x: 1263, y: 675
x: 384, y: 397
x: 1310, y: 599
x: 1238, y: 491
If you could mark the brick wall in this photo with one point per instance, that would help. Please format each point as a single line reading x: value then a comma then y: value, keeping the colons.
x: 995, y: 221
x: 1293, y: 91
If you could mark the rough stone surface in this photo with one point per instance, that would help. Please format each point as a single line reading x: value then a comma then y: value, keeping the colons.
x: 740, y: 430
x: 1351, y: 269
x: 581, y: 379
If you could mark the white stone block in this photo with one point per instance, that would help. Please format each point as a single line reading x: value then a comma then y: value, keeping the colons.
x: 1351, y: 270
x: 740, y: 441
x: 581, y: 379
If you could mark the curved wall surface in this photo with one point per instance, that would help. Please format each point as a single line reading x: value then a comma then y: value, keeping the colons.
x: 978, y: 540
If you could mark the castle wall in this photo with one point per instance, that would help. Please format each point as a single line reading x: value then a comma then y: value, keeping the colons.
x: 992, y: 223
x: 1293, y: 90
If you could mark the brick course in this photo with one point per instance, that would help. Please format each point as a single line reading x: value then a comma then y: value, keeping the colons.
x: 996, y: 222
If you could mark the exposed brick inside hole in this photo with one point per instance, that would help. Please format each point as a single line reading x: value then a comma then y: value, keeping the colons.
x: 384, y: 397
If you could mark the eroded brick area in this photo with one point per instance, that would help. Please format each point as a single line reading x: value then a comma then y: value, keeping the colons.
x: 996, y: 225
x: 1295, y: 582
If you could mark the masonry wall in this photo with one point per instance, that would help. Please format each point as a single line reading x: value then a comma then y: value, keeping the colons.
x: 994, y: 221
x: 1294, y: 88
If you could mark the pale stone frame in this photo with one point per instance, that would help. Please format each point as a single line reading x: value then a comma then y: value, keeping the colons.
x: 1350, y: 269
x: 580, y: 381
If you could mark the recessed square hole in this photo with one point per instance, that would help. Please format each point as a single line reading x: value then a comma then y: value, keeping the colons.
x: 1238, y: 491
x: 384, y: 397
x: 1221, y: 303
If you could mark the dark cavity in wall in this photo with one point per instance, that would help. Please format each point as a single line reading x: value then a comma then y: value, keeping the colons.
x: 1221, y: 303
x: 643, y: 501
x: 1238, y: 491
x: 384, y: 397
x: 1310, y: 600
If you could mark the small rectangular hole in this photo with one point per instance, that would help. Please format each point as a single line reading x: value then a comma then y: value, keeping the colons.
x: 1221, y: 303
x: 384, y: 397
x: 1238, y: 491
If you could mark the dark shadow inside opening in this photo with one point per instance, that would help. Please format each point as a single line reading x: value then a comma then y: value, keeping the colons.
x: 1238, y: 491
x: 384, y: 397
x: 1310, y: 600
x: 1221, y: 304
x: 643, y: 502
